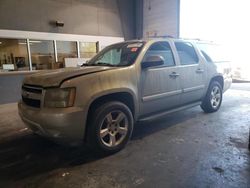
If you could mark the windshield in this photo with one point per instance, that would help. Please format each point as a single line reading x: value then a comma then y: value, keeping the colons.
x: 121, y: 54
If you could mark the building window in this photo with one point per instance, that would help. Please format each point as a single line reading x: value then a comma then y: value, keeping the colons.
x: 13, y: 55
x: 42, y: 54
x: 65, y: 49
x: 88, y: 49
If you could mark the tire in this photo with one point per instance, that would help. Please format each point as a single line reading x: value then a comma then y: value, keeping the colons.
x: 212, y: 101
x: 249, y: 140
x: 110, y: 127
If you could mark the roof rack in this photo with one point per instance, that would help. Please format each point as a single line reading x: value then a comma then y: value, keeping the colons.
x: 197, y: 39
x: 163, y: 36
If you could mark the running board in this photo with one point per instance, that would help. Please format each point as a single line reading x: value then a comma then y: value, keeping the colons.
x: 162, y: 114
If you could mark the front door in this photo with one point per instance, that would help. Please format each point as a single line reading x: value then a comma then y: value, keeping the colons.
x: 160, y: 86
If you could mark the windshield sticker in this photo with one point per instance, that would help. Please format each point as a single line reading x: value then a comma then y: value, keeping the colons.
x: 134, y: 49
x: 135, y: 45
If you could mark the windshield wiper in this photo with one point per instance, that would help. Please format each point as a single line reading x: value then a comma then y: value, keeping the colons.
x: 105, y: 64
x: 86, y: 64
x: 98, y: 64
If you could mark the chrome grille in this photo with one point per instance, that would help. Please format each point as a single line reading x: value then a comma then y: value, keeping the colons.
x: 32, y: 95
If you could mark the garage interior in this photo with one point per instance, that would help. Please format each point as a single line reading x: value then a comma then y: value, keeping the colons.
x: 184, y: 149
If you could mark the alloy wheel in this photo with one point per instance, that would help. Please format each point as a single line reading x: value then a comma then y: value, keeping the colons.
x: 114, y: 128
x: 215, y: 97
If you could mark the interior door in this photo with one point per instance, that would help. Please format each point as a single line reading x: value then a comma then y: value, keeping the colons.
x: 160, y: 86
x: 192, y: 73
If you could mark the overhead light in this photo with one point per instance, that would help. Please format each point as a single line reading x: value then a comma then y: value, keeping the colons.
x: 0, y: 42
x: 59, y: 23
x: 22, y: 43
x: 35, y: 41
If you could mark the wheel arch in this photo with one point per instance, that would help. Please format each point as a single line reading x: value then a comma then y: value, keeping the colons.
x: 218, y: 78
x: 206, y: 101
x: 124, y: 96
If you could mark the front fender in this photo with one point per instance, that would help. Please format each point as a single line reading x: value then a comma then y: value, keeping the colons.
x: 116, y: 91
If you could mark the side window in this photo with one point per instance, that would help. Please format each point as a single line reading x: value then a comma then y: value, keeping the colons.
x: 186, y: 53
x: 206, y: 56
x: 163, y: 49
x: 212, y: 52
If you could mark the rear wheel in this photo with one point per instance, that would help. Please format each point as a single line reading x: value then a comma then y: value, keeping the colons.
x: 249, y: 141
x: 110, y: 127
x: 213, y: 98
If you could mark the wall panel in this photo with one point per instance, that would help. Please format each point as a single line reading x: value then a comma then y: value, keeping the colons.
x: 161, y: 18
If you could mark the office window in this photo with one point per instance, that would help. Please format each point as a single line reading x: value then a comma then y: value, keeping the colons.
x: 42, y: 54
x: 13, y: 55
x: 186, y: 53
x: 65, y: 49
x: 88, y: 49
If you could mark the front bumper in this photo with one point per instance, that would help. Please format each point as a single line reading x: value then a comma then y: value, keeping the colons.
x: 60, y: 124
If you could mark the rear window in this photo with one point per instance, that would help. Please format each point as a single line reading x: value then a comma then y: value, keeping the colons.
x: 213, y: 52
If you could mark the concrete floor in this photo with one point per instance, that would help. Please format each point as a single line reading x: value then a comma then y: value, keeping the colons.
x: 185, y: 149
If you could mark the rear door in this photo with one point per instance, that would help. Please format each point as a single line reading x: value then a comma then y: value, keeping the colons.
x: 192, y: 72
x: 160, y: 86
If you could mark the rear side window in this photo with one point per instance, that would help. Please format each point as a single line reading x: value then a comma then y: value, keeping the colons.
x: 163, y: 49
x: 186, y: 53
x: 213, y: 52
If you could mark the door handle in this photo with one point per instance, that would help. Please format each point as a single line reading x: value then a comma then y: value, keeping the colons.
x: 199, y: 70
x: 174, y: 75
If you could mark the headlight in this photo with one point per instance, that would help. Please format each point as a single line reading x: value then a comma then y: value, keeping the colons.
x: 59, y: 97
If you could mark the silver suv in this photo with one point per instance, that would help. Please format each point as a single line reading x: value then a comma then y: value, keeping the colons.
x: 126, y: 82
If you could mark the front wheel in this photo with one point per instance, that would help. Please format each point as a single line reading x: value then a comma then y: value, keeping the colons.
x: 213, y: 98
x: 110, y: 127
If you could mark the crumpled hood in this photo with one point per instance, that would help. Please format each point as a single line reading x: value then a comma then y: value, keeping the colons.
x: 53, y: 78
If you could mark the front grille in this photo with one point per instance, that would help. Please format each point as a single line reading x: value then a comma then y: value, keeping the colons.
x: 32, y: 95
x: 32, y: 102
x: 32, y: 89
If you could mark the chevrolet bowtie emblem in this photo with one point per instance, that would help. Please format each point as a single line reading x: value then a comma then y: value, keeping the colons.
x: 26, y: 94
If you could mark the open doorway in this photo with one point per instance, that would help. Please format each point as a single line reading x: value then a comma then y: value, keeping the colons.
x: 224, y: 22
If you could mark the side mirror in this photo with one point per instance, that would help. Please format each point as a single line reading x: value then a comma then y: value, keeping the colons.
x: 152, y: 61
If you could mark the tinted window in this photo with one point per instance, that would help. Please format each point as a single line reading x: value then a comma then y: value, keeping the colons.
x: 163, y: 49
x: 186, y: 53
